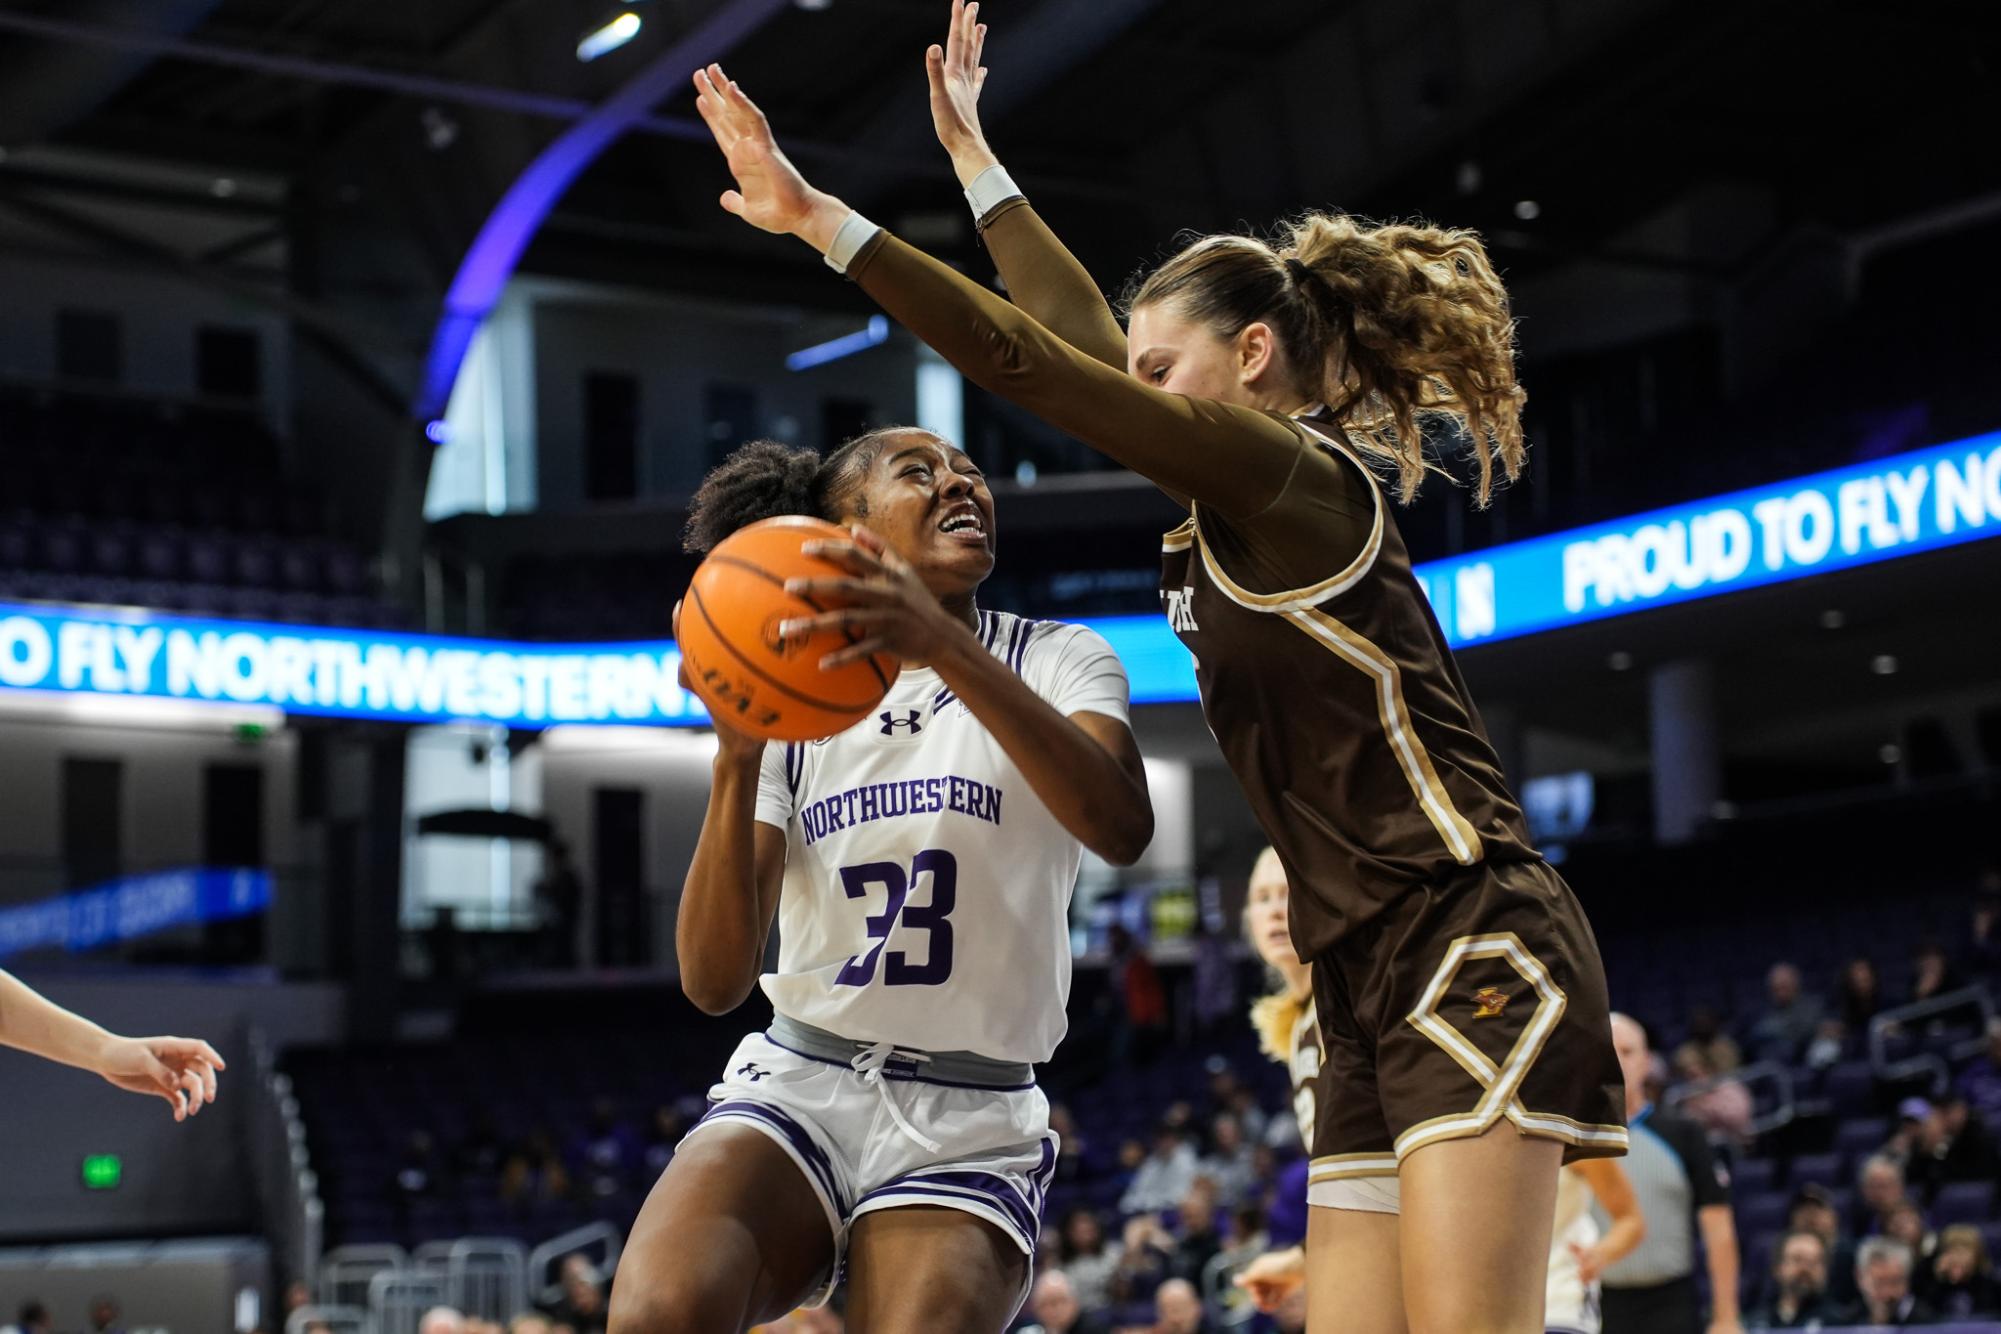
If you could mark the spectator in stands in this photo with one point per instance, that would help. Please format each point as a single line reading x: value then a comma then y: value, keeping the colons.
x: 662, y: 1137
x: 582, y: 1306
x: 32, y: 1319
x: 1883, y: 1277
x: 1882, y: 1189
x: 104, y: 1315
x: 1716, y: 1049
x: 417, y: 1173
x: 1959, y: 1282
x: 1932, y: 974
x: 441, y: 1320
x: 1683, y: 1195
x: 1177, y: 1309
x: 606, y: 1151
x: 1951, y: 1145
x: 1053, y: 1302
x: 1198, y: 1234
x: 1244, y: 1106
x: 1089, y: 1259
x: 297, y: 1293
x: 1799, y: 1277
x: 1232, y: 1162
x: 1861, y: 996
x: 1070, y: 1157
x: 1164, y: 1178
x: 1720, y: 1106
x: 1906, y: 1223
x: 1789, y: 1022
x: 1980, y: 1082
x: 1144, y: 1255
x: 1813, y: 1210
x: 534, y: 1171
x: 1142, y: 999
x: 529, y: 1322
x: 1982, y: 953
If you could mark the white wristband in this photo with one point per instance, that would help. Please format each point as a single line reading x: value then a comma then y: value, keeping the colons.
x: 989, y: 190
x: 854, y: 233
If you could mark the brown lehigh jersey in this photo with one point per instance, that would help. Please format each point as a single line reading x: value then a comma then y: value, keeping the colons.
x: 1338, y: 706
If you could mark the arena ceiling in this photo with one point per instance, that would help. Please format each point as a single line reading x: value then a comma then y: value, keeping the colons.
x: 1128, y: 119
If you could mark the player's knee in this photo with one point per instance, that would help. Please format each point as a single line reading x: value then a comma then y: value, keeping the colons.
x: 673, y: 1303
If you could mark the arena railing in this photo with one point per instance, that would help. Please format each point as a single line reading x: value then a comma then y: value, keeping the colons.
x: 287, y: 1188
x: 1935, y: 1063
x: 545, y: 1261
x: 1771, y: 1085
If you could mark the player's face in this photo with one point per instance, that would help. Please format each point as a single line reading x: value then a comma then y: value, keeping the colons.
x: 1181, y: 356
x: 931, y: 505
x: 1265, y: 914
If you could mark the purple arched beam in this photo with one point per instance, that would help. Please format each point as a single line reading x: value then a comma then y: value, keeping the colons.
x: 491, y: 258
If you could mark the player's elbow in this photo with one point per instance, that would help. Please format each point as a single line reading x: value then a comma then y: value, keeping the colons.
x: 712, y: 993
x: 1124, y: 839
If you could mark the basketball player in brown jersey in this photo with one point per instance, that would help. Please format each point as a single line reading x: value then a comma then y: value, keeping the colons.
x: 1460, y: 994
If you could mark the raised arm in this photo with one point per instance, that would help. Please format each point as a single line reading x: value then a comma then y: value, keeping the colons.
x: 1042, y: 276
x: 1234, y: 459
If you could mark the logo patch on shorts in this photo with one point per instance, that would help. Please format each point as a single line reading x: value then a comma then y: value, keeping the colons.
x: 1490, y: 1002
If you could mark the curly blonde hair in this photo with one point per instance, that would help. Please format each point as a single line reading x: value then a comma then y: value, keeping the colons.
x: 1387, y: 325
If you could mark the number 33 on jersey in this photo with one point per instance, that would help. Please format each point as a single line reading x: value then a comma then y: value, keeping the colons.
x: 927, y: 890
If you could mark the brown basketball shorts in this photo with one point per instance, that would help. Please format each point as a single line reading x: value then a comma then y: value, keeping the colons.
x: 1474, y: 999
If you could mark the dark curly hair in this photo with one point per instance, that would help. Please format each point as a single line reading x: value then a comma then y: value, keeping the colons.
x: 764, y: 479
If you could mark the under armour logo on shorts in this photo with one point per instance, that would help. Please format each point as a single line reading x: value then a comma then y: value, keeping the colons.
x: 890, y: 722
x: 751, y: 1072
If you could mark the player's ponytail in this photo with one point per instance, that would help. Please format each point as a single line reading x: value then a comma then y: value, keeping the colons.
x: 764, y: 479
x: 1387, y: 326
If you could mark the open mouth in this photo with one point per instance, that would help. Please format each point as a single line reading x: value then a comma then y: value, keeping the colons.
x: 966, y: 523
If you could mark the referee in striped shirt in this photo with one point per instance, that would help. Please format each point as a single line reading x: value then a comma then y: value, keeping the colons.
x: 1684, y: 1194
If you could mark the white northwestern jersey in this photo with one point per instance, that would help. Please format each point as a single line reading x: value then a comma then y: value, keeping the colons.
x: 1570, y: 1305
x: 927, y: 889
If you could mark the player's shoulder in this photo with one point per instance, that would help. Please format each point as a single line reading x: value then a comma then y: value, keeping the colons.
x: 1026, y: 643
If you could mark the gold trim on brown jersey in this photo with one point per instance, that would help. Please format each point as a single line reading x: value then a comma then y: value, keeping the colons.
x: 1179, y: 539
x: 1332, y: 586
x: 1347, y: 1166
x: 1461, y: 839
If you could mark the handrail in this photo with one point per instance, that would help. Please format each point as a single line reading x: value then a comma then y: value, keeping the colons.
x: 1784, y: 1109
x: 286, y: 1188
x: 1890, y: 1022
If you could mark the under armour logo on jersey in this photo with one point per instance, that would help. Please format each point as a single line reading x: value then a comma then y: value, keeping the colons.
x: 890, y: 722
x: 1180, y: 609
x: 751, y: 1072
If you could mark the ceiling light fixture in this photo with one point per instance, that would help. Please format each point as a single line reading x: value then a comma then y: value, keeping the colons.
x: 1884, y: 664
x: 610, y: 37
x: 1527, y: 210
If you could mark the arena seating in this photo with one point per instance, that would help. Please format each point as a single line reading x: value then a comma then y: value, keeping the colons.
x: 143, y: 502
x: 482, y: 1103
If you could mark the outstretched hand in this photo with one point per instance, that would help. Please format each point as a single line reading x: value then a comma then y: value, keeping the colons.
x: 181, y: 1070
x: 956, y: 77
x: 770, y: 193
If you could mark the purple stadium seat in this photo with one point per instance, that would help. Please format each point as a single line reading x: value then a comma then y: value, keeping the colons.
x: 1819, y: 1169
x: 208, y: 559
x: 1860, y: 1137
x: 1753, y: 1176
x: 1963, y: 1202
x: 1759, y: 1214
x: 1851, y: 1088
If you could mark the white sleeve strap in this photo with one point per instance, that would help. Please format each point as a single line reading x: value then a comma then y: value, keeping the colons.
x: 989, y: 190
x: 855, y: 232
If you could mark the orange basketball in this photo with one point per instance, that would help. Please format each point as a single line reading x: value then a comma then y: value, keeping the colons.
x: 742, y: 670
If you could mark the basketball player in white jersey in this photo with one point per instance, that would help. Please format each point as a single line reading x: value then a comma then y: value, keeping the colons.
x: 919, y: 866
x: 1578, y: 1252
